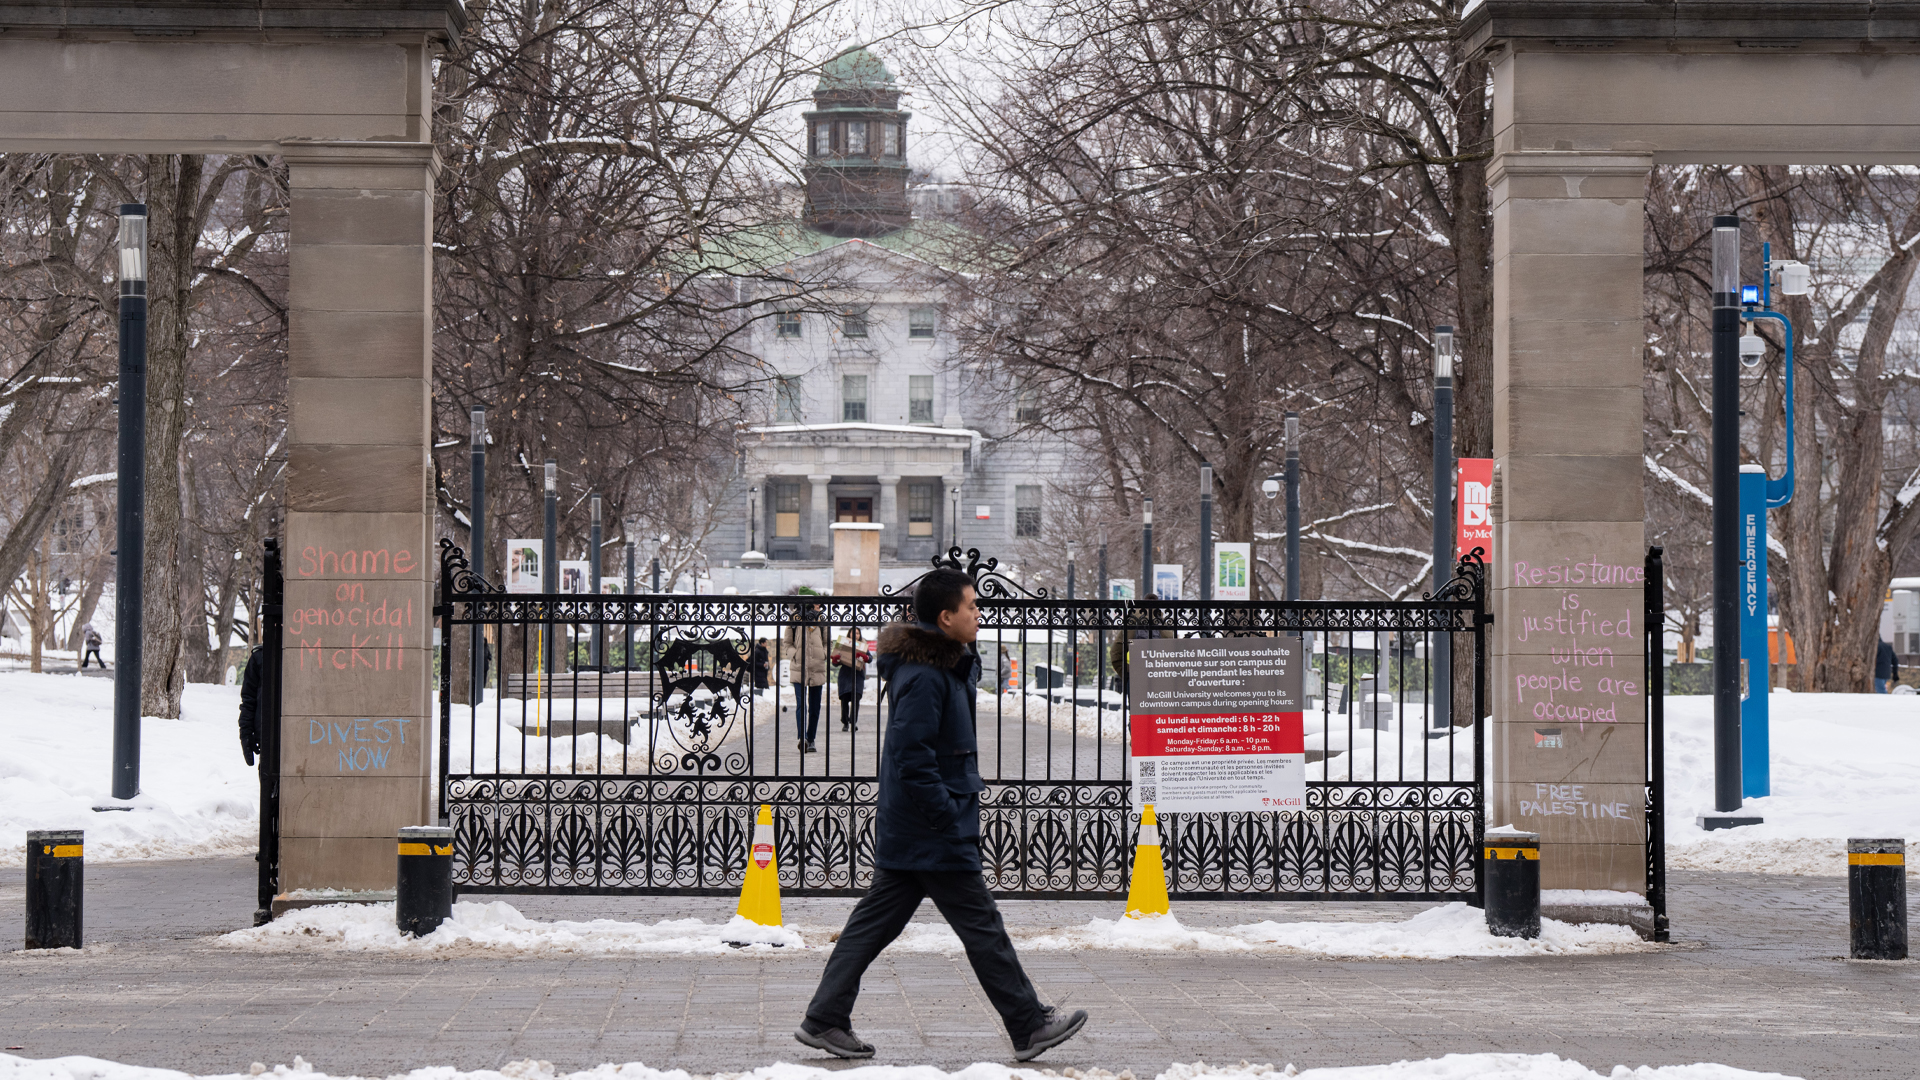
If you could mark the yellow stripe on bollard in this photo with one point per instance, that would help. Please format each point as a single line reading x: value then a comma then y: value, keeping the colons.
x: 1514, y: 853
x: 419, y: 849
x: 63, y: 851
x: 1868, y: 858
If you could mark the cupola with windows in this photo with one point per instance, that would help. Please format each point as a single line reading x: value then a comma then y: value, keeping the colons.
x: 856, y: 149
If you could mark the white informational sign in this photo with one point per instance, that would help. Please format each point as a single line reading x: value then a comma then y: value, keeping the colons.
x: 573, y: 575
x: 1167, y: 580
x: 1233, y: 571
x: 610, y: 586
x: 1120, y: 588
x: 523, y: 565
x: 1215, y: 724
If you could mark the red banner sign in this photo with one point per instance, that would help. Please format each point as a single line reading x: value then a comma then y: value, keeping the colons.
x: 1473, y: 509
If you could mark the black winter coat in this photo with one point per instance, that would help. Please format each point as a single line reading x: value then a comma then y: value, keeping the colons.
x: 250, y: 706
x: 929, y: 813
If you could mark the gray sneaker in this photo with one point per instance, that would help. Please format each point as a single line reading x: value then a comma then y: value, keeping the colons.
x: 1056, y: 1029
x: 835, y: 1041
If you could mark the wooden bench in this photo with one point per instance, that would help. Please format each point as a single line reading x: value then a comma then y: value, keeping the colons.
x: 636, y: 685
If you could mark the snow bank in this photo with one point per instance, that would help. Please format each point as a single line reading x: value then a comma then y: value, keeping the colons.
x: 500, y: 928
x: 1452, y: 930
x: 56, y: 758
x: 1843, y: 766
x: 1451, y: 1067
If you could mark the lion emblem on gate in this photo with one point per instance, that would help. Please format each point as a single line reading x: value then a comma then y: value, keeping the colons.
x: 702, y: 689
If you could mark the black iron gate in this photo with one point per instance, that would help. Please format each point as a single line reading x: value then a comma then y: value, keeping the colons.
x: 643, y: 773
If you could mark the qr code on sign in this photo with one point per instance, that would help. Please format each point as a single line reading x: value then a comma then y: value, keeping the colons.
x: 1144, y: 770
x: 1149, y: 793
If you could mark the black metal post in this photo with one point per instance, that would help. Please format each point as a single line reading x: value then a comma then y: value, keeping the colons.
x: 1656, y: 624
x: 550, y: 563
x: 1877, y: 898
x: 1512, y: 862
x: 1440, y: 646
x: 1206, y: 531
x: 1293, y: 506
x: 268, y: 718
x: 656, y: 573
x: 56, y: 888
x: 1146, y: 549
x: 598, y: 645
x: 626, y: 625
x: 131, y: 509
x: 1100, y: 586
x: 477, y: 549
x: 1726, y: 513
x: 1069, y: 579
x: 753, y: 519
x: 423, y: 887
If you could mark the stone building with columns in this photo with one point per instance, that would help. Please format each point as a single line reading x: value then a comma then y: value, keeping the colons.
x: 869, y: 415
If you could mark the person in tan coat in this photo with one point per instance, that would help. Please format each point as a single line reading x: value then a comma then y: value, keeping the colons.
x: 805, y: 646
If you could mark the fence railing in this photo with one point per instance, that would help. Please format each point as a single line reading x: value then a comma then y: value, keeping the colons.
x: 642, y: 775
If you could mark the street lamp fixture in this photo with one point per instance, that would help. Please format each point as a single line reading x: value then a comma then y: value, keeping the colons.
x: 131, y: 467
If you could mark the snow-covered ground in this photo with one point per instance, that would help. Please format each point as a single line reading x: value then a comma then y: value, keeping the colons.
x: 56, y: 758
x: 499, y: 928
x: 1451, y: 1067
x: 1844, y: 765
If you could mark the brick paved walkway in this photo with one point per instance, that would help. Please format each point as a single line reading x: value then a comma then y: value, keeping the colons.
x: 1755, y: 981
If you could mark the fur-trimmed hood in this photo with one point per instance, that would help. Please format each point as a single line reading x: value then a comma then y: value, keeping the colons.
x: 916, y: 643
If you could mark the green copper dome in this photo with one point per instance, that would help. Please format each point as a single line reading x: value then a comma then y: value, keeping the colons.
x: 854, y: 69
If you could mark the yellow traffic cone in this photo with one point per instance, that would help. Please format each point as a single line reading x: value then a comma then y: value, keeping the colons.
x: 1147, y: 894
x: 760, y: 895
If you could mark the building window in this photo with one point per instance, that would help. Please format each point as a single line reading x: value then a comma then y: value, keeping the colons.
x: 902, y: 129
x: 822, y: 139
x: 890, y: 140
x: 1026, y: 407
x: 919, y: 399
x: 1026, y: 510
x: 921, y: 321
x: 853, y: 399
x: 786, y: 324
x: 788, y: 406
x: 857, y: 137
x: 854, y: 324
x: 786, y: 511
x: 921, y: 499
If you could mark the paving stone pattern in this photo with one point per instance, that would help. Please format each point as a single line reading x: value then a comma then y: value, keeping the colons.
x: 1755, y: 980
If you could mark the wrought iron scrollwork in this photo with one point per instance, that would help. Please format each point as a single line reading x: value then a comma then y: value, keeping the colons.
x: 988, y: 582
x: 1468, y: 581
x: 703, y: 683
x: 457, y: 573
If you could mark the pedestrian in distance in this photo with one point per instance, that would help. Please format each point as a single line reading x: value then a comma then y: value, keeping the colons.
x: 90, y: 638
x: 757, y: 659
x: 250, y: 706
x: 851, y: 659
x: 804, y: 645
x: 927, y: 831
x: 1886, y: 668
x: 1006, y: 670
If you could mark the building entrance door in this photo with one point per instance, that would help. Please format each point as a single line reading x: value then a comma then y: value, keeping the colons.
x: 854, y: 510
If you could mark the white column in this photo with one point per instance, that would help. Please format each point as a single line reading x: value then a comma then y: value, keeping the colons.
x: 889, y: 516
x: 819, y: 542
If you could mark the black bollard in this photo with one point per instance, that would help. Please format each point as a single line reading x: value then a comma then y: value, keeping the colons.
x: 423, y: 894
x: 55, y: 884
x: 1877, y: 896
x: 1512, y: 888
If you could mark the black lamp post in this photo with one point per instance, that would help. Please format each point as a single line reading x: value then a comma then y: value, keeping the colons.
x: 1293, y: 506
x: 1440, y: 646
x: 1146, y: 548
x: 477, y: 531
x: 1206, y: 531
x: 131, y: 463
x: 598, y: 645
x: 1726, y: 513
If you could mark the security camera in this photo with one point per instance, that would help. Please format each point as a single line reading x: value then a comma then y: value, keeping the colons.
x: 1752, y: 348
x: 1791, y: 277
x: 1270, y: 487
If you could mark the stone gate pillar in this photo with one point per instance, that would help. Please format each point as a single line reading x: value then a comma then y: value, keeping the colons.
x: 358, y: 737
x: 1567, y: 746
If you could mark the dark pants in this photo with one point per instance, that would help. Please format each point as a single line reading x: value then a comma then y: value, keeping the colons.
x: 93, y: 653
x: 850, y: 710
x: 968, y: 907
x: 806, y: 709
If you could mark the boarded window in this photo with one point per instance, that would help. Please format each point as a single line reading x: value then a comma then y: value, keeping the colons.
x: 921, y: 499
x: 786, y: 511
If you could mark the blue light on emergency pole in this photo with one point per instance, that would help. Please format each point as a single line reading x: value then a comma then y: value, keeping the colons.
x: 1749, y: 294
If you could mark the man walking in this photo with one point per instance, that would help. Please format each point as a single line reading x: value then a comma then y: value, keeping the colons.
x: 927, y: 831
